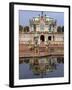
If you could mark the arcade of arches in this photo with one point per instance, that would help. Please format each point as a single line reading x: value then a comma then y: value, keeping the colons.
x: 42, y: 38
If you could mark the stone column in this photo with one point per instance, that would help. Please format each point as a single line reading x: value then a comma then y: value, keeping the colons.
x: 45, y: 39
x: 39, y: 39
x: 52, y: 37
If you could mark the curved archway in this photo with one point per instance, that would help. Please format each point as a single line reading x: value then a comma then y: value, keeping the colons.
x: 42, y: 38
x: 49, y: 38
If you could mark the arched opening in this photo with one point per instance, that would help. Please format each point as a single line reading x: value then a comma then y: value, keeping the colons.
x: 42, y: 38
x: 49, y: 38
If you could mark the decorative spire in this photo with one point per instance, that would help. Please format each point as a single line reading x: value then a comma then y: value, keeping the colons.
x: 42, y: 13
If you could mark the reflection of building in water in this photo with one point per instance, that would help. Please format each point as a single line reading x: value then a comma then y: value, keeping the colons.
x: 46, y: 60
x: 43, y: 30
x: 42, y: 60
x: 40, y: 66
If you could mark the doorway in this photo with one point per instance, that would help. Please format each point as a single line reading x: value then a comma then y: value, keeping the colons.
x: 42, y: 38
x: 49, y: 38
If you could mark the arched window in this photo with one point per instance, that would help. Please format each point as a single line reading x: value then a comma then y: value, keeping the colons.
x: 49, y: 38
x: 42, y: 38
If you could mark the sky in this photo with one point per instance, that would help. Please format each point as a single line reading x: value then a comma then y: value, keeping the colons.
x: 25, y: 15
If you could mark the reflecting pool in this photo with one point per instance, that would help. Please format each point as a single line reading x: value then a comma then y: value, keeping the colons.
x: 42, y: 67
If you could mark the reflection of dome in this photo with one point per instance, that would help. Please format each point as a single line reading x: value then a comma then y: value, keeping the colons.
x: 36, y: 70
x: 39, y: 66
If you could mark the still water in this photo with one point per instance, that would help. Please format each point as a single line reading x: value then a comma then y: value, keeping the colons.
x: 44, y: 67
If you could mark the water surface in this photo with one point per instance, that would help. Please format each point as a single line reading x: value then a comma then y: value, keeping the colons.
x: 44, y: 67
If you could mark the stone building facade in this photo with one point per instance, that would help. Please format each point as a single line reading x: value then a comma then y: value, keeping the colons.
x: 42, y: 38
x: 42, y: 28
